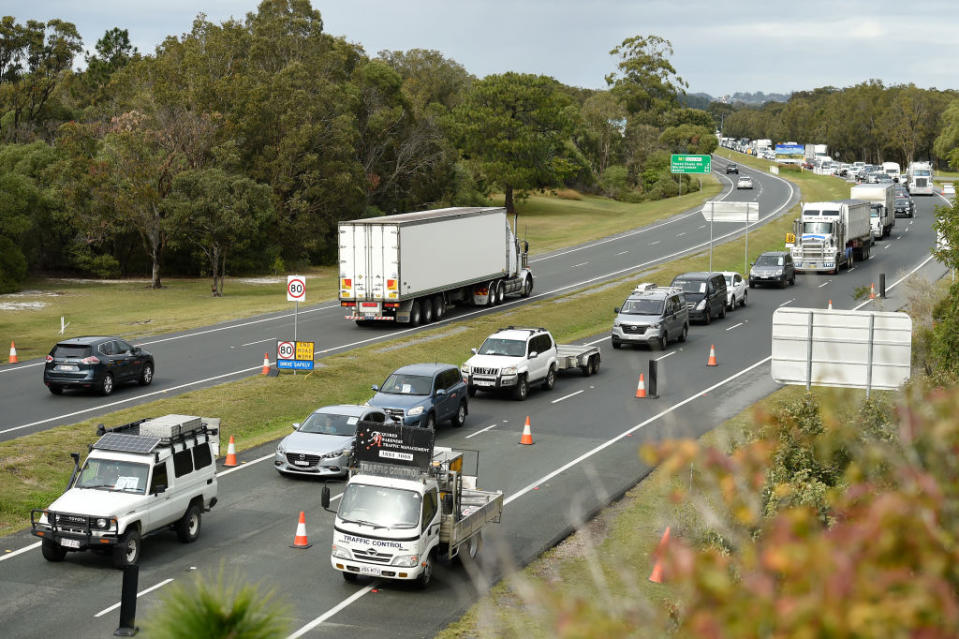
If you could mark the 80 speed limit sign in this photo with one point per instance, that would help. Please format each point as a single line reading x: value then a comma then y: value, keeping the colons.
x: 295, y: 288
x: 285, y: 350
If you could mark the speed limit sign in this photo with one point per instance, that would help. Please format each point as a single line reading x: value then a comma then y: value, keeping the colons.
x: 295, y: 288
x: 285, y: 350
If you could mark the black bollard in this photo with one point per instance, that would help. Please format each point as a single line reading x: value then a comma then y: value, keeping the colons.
x: 128, y: 602
x: 653, y: 365
x: 882, y: 285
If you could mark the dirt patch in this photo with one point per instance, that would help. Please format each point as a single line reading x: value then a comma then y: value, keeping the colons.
x: 31, y: 294
x: 260, y: 280
x: 22, y: 306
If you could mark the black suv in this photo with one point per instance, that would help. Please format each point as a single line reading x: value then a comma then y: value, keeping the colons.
x: 98, y: 363
x: 705, y: 295
x: 732, y: 168
x: 773, y: 267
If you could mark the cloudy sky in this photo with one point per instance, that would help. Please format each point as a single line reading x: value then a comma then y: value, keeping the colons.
x: 719, y: 47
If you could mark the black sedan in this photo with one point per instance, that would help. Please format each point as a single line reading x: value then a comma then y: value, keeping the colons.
x: 732, y: 168
x: 96, y: 363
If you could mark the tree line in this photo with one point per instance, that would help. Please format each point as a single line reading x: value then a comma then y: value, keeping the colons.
x: 244, y: 143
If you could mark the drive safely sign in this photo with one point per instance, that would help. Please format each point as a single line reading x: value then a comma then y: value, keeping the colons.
x: 295, y: 355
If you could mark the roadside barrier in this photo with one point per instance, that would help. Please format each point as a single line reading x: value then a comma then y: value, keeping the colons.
x: 656, y: 576
x: 872, y: 291
x: 712, y: 361
x: 13, y: 354
x: 266, y: 364
x: 230, y: 454
x: 641, y: 389
x: 829, y: 308
x: 527, y: 438
x: 299, y: 540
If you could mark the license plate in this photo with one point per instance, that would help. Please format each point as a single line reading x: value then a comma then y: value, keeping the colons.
x: 301, y: 463
x: 68, y: 367
x: 369, y: 305
x: 70, y: 543
x: 483, y: 382
x: 369, y: 570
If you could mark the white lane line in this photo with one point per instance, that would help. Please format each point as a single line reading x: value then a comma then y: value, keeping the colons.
x: 887, y: 245
x: 481, y: 431
x: 131, y: 399
x: 226, y: 328
x: 664, y: 356
x: 622, y: 253
x: 735, y: 326
x: 139, y: 594
x: 681, y: 234
x: 556, y: 401
x: 332, y: 611
x: 898, y: 237
x: 702, y: 227
x: 826, y: 283
x: 654, y: 243
x: 788, y: 302
x: 580, y: 264
x: 17, y: 368
x: 268, y: 339
x: 900, y: 280
x: 907, y: 230
x: 852, y: 269
x: 244, y: 465
x: 20, y: 551
x: 601, y: 339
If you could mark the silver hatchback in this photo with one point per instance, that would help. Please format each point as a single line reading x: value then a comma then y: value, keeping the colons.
x: 653, y: 317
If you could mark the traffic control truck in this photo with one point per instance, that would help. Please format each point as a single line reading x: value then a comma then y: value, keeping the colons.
x: 410, y: 268
x: 406, y: 505
x: 830, y: 235
x: 883, y: 195
x: 139, y: 478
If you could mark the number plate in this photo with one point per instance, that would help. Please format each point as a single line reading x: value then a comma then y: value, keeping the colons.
x: 369, y: 304
x: 67, y: 367
x: 70, y: 543
x: 301, y: 463
x: 483, y: 382
x: 369, y: 570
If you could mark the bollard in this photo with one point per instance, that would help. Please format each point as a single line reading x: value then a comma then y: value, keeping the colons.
x: 651, y: 391
x: 128, y: 602
x: 882, y: 286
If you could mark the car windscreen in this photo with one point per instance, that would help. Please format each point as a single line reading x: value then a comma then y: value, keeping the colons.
x: 691, y: 286
x: 816, y: 227
x: 397, y: 384
x: 770, y: 260
x: 380, y: 507
x: 643, y: 307
x: 71, y: 350
x: 729, y: 280
x: 902, y: 202
x: 330, y: 424
x: 113, y: 475
x: 500, y: 346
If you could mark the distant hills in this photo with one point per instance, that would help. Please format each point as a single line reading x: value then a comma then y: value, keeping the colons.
x: 702, y: 100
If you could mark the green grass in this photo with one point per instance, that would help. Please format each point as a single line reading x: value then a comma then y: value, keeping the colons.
x: 954, y: 174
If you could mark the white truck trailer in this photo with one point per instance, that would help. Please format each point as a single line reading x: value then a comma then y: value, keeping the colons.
x: 409, y: 268
x: 829, y: 235
x: 882, y: 194
x: 406, y: 505
x: 920, y: 178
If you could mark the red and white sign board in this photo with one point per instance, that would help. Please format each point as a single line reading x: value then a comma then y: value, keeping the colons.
x: 295, y: 288
x: 285, y: 350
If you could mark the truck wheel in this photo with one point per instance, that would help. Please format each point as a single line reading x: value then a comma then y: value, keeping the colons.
x: 439, y: 307
x: 550, y: 380
x: 416, y: 313
x: 500, y: 293
x: 349, y: 576
x: 427, y: 575
x: 127, y: 551
x: 188, y: 526
x: 106, y: 386
x: 146, y: 375
x: 527, y: 287
x: 491, y: 294
x: 522, y: 389
x: 460, y: 417
x: 52, y: 551
x: 427, y: 311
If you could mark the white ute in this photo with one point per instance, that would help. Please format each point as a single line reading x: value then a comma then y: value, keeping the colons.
x: 139, y: 478
x: 514, y: 358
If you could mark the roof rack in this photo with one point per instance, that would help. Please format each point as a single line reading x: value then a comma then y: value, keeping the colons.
x: 521, y: 328
x: 144, y: 436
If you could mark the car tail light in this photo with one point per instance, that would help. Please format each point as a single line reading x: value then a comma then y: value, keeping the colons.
x: 49, y: 358
x: 90, y: 360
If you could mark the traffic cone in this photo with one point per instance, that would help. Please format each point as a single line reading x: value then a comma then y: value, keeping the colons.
x: 872, y: 291
x: 266, y: 364
x: 641, y: 389
x: 830, y: 306
x: 656, y: 576
x: 230, y: 454
x: 712, y: 361
x: 527, y: 438
x: 300, y: 541
x: 13, y: 354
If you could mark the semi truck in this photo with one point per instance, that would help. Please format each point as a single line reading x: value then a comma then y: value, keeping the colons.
x: 829, y: 235
x: 410, y: 268
x: 881, y: 194
x: 406, y: 505
x: 920, y: 178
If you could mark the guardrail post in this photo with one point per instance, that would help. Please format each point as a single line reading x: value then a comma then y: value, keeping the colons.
x: 128, y: 602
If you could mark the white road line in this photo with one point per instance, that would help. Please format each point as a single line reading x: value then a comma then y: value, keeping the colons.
x: 664, y: 356
x: 900, y: 280
x: 826, y: 283
x: 245, y: 464
x: 580, y: 264
x: 601, y: 339
x: 332, y: 611
x: 268, y: 339
x: 226, y: 328
x: 852, y: 269
x: 556, y: 401
x: 131, y: 399
x: 20, y: 551
x: 898, y: 237
x: 788, y: 302
x: 702, y: 227
x: 654, y: 243
x: 139, y: 594
x: 907, y: 230
x: 622, y: 253
x: 681, y: 234
x: 887, y: 245
x: 481, y: 431
x: 735, y: 326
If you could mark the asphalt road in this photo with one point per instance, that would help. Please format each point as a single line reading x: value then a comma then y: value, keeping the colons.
x: 232, y: 350
x: 586, y: 433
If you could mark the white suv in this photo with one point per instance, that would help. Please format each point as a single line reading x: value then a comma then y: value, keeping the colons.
x: 512, y: 358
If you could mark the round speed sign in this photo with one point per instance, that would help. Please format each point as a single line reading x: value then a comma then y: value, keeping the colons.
x: 295, y: 288
x: 285, y: 350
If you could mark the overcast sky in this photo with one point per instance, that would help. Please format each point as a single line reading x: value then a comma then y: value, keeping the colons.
x: 719, y: 47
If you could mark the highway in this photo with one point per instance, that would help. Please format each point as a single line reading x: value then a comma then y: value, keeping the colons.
x: 586, y: 435
x: 212, y: 355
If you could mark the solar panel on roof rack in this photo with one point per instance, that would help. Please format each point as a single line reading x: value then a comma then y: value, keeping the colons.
x: 121, y: 443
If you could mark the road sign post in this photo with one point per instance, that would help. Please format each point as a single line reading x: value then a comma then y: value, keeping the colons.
x: 295, y: 292
x: 295, y: 356
x: 722, y: 211
x: 680, y: 163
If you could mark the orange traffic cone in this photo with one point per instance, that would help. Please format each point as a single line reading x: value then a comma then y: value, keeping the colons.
x: 830, y: 305
x: 712, y: 361
x: 527, y: 438
x: 641, y: 389
x: 266, y: 364
x: 230, y: 454
x: 872, y: 291
x: 299, y: 540
x: 13, y: 354
x: 656, y: 576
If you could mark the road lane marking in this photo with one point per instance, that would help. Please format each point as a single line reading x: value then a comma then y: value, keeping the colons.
x: 788, y: 302
x: 887, y: 245
x: 826, y: 283
x: 139, y: 594
x: 898, y: 237
x: 851, y: 269
x: 332, y: 611
x: 481, y: 431
x: 907, y: 230
x: 654, y: 243
x: 664, y: 356
x: 555, y: 401
x: 268, y: 339
x: 245, y: 464
x: 580, y: 264
x: 681, y: 234
x: 735, y: 326
x: 622, y: 253
x: 701, y: 227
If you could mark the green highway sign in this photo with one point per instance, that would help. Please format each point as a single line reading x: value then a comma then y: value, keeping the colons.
x: 682, y: 163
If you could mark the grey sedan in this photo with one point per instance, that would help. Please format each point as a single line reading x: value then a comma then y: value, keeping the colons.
x: 322, y: 444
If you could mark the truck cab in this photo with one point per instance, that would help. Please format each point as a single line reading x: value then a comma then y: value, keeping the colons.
x: 139, y: 478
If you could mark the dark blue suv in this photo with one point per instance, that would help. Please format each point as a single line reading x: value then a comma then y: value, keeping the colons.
x: 96, y: 363
x: 424, y: 395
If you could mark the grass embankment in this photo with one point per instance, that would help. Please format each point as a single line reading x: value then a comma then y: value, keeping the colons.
x: 134, y: 311
x: 34, y: 468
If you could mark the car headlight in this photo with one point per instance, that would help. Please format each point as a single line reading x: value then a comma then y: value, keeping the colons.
x: 335, y: 453
x: 701, y: 305
x: 616, y: 324
x: 509, y: 370
x: 416, y: 410
x: 280, y: 449
x: 407, y: 561
x: 465, y: 368
x: 102, y: 523
x: 657, y: 325
x: 341, y: 553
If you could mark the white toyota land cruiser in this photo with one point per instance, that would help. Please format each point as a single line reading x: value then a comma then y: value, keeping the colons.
x: 512, y: 358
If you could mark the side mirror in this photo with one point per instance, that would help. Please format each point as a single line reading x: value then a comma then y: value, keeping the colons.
x: 533, y: 354
x: 440, y: 392
x: 375, y: 387
x: 296, y: 425
x: 325, y: 497
x: 473, y: 351
x: 616, y: 310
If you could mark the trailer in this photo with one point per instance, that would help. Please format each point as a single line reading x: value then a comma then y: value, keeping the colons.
x: 885, y: 196
x: 412, y: 267
x: 830, y: 235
